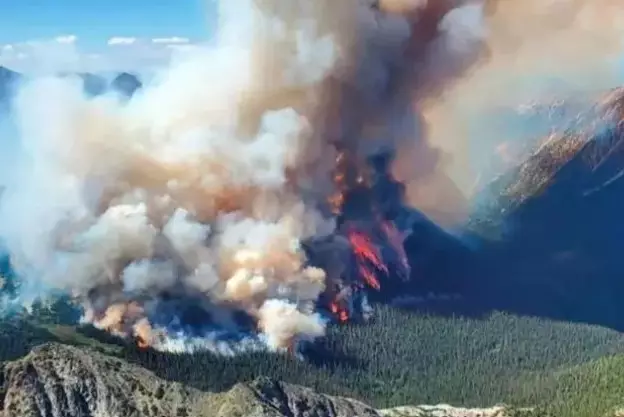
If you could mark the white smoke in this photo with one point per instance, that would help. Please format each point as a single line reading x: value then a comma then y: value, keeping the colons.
x: 204, y: 185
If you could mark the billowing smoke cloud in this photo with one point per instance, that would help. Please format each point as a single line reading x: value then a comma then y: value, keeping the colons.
x: 178, y: 217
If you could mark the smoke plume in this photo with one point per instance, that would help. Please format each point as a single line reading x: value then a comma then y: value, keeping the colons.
x: 178, y: 217
x: 537, y: 51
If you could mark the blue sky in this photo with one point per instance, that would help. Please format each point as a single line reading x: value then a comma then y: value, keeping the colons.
x: 95, y: 21
x: 102, y: 26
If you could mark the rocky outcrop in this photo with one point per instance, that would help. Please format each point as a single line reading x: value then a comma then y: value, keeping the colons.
x: 443, y: 410
x: 61, y: 381
x: 57, y: 380
x: 281, y: 399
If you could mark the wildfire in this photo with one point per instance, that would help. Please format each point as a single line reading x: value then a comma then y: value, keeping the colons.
x: 336, y: 201
x: 371, y: 235
x: 367, y: 256
x: 339, y: 312
x: 141, y: 343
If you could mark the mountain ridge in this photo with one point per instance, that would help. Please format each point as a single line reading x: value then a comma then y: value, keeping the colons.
x: 94, y: 84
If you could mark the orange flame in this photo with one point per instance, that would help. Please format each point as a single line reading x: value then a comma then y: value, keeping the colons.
x: 142, y: 343
x: 351, y: 173
x: 367, y: 255
x: 335, y: 202
x: 339, y: 312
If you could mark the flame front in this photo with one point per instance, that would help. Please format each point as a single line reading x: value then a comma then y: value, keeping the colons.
x: 142, y: 344
x: 368, y: 258
x: 376, y: 243
x: 339, y: 311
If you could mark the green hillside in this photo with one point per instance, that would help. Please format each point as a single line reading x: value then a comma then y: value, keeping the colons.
x: 403, y: 358
x: 589, y: 390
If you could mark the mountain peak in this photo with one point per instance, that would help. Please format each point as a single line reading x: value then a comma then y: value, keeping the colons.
x: 126, y: 83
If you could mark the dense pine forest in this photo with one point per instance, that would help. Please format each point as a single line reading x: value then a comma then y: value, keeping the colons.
x: 401, y: 357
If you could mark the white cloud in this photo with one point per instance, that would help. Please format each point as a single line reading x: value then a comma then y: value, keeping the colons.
x: 63, y: 53
x: 43, y: 55
x: 182, y: 48
x: 120, y: 40
x: 67, y: 39
x: 171, y: 40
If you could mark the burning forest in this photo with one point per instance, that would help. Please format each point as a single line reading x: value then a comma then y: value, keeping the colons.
x: 254, y: 191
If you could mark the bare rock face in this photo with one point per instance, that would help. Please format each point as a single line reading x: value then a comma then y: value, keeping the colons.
x: 282, y: 399
x: 443, y: 410
x: 62, y: 381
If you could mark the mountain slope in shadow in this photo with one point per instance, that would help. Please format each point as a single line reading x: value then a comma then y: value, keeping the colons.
x: 562, y: 251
